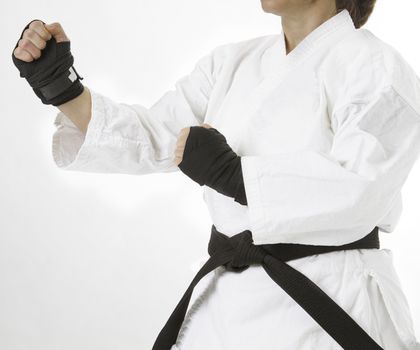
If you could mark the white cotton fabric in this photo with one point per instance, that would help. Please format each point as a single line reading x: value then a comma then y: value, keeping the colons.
x: 327, y: 134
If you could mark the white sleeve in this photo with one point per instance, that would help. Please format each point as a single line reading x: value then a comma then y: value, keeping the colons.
x: 348, y: 190
x: 132, y: 139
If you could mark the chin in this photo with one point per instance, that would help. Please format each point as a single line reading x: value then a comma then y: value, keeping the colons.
x: 272, y: 6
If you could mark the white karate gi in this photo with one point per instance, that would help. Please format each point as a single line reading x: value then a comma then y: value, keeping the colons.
x: 327, y: 133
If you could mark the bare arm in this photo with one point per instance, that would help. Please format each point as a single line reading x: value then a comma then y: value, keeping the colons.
x: 78, y: 110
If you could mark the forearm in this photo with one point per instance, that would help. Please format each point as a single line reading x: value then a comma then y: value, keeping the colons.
x: 78, y: 110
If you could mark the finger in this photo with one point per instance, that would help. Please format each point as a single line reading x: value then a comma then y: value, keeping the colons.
x: 179, y: 153
x: 184, y: 131
x: 205, y: 125
x: 29, y: 46
x: 183, y: 139
x: 180, y: 146
x: 40, y: 29
x: 23, y: 54
x: 35, y: 38
x: 57, y: 32
x: 184, y: 134
x: 180, y: 140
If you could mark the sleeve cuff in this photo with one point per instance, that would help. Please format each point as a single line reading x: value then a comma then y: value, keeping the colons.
x: 253, y: 195
x: 70, y: 147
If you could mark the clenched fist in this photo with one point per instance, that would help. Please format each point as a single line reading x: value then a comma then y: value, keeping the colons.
x: 42, y: 56
x: 203, y: 154
x: 180, y: 144
x: 35, y: 37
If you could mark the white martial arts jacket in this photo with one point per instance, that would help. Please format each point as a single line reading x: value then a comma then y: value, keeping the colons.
x: 327, y: 134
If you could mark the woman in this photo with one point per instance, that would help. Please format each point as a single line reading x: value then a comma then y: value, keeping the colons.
x: 315, y: 131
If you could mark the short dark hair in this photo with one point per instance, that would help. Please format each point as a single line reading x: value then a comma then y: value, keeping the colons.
x: 360, y: 10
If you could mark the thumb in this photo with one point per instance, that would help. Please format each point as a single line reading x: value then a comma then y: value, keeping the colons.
x: 56, y: 30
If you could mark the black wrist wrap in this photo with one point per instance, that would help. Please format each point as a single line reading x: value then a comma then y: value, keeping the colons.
x: 210, y: 161
x: 52, y: 76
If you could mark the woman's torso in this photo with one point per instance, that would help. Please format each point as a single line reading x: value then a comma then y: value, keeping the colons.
x: 265, y: 102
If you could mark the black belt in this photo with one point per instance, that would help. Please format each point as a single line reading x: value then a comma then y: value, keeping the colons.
x: 236, y: 253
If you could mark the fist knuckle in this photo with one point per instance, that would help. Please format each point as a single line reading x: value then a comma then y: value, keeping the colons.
x: 17, y: 53
x: 25, y: 43
x: 45, y: 35
x: 35, y: 24
x: 30, y: 34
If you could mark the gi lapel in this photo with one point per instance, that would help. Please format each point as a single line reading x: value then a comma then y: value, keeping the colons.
x: 280, y: 64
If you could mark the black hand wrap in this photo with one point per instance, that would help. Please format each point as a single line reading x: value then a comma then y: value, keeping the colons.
x: 209, y: 160
x: 52, y: 76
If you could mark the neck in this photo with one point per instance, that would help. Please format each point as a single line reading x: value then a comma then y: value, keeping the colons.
x: 297, y: 24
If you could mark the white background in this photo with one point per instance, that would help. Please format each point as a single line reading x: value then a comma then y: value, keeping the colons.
x: 99, y: 261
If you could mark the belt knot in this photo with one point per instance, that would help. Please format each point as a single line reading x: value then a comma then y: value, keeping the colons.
x: 244, y: 252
